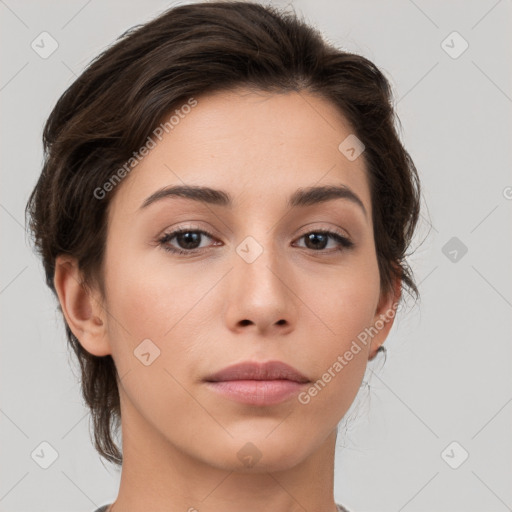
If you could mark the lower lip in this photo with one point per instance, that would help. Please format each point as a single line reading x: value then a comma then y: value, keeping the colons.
x: 257, y: 392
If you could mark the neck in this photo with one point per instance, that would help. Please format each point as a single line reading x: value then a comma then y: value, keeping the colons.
x: 158, y: 476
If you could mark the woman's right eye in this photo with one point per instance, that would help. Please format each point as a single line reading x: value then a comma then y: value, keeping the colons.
x: 187, y: 238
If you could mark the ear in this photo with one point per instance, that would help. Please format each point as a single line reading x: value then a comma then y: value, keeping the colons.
x: 82, y: 307
x: 385, y: 316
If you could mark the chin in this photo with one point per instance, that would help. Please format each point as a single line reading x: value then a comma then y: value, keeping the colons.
x: 261, y: 455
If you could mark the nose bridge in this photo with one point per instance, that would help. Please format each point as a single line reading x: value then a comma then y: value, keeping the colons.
x: 260, y: 283
x: 258, y: 262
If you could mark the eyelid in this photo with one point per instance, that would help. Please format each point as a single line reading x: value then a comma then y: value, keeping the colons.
x: 185, y: 227
x: 318, y: 229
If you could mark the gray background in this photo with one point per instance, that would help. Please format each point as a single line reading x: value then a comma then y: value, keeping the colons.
x: 448, y: 373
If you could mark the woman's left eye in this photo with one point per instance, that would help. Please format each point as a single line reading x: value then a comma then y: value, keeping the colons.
x: 189, y: 240
x: 318, y: 240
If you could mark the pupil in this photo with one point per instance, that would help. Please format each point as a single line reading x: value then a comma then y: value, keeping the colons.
x: 189, y: 238
x: 313, y: 238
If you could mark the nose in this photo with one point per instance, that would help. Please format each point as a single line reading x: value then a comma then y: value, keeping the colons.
x: 260, y: 293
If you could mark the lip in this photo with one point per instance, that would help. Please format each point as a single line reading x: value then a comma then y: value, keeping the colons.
x: 253, y: 370
x: 257, y: 383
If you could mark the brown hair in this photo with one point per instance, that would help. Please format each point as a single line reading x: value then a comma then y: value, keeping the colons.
x: 112, y: 108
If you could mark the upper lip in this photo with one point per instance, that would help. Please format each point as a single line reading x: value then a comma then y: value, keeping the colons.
x: 252, y: 370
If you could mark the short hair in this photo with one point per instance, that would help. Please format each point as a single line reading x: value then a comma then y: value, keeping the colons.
x: 125, y: 92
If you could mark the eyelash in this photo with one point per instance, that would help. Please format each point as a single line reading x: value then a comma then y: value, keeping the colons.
x: 167, y: 237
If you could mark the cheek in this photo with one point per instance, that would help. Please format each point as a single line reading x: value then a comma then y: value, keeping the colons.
x: 154, y: 301
x: 345, y: 309
x: 339, y: 361
x: 345, y: 303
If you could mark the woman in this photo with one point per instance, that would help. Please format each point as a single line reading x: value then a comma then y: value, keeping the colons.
x: 223, y: 214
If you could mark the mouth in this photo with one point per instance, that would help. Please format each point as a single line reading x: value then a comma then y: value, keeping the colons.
x: 259, y: 384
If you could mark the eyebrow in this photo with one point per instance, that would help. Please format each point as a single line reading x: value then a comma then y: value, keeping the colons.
x: 300, y: 198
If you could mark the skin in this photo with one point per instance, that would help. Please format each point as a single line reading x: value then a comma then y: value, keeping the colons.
x: 294, y: 303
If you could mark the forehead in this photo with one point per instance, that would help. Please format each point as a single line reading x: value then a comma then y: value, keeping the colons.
x: 258, y: 146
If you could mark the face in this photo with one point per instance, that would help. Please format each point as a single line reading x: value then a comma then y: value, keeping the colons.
x: 261, y: 274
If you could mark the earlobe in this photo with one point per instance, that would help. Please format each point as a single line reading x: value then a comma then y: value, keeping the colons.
x: 82, y: 308
x: 384, y: 318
